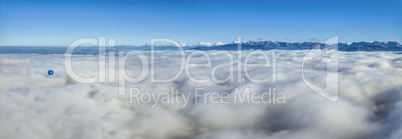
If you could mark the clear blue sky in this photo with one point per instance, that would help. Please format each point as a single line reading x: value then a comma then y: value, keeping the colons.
x: 59, y: 22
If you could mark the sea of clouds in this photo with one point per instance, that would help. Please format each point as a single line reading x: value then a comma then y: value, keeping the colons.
x: 35, y: 106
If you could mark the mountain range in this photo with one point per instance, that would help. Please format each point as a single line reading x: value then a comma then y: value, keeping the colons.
x: 269, y: 45
x: 245, y: 45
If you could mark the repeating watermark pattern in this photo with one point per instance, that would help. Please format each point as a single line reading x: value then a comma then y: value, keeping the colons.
x: 238, y: 64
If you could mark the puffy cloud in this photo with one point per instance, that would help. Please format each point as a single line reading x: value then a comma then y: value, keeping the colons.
x: 205, y: 44
x: 32, y: 105
x: 219, y: 43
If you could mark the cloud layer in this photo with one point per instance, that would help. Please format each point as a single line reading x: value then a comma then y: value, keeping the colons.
x: 32, y: 105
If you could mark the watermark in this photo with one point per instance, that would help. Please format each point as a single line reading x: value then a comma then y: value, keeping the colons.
x: 239, y: 65
x: 331, y: 89
x: 201, y: 96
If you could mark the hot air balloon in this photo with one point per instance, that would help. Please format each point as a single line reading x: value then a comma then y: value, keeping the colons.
x: 50, y: 72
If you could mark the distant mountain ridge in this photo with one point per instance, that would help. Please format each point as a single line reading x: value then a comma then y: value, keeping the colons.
x: 248, y: 45
x: 269, y: 45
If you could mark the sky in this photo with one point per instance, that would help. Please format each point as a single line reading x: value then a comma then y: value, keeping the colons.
x: 60, y: 22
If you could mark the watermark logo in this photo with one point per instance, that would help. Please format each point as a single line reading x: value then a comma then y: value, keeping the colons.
x: 112, y: 65
x: 330, y: 91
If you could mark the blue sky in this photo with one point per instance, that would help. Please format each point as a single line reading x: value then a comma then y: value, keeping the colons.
x: 60, y: 22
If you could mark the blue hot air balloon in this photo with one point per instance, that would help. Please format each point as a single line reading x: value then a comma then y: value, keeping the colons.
x: 50, y: 72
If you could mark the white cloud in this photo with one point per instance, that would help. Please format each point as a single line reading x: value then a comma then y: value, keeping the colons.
x: 37, y: 107
x: 205, y: 44
x: 219, y: 43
